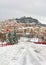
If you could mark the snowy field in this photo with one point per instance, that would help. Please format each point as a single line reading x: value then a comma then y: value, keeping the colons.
x: 23, y: 53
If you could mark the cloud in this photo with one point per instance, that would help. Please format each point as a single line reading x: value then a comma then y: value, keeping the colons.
x: 18, y: 8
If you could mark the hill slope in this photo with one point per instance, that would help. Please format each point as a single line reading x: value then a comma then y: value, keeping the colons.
x: 29, y: 20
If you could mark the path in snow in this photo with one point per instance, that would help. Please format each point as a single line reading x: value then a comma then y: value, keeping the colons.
x: 28, y: 58
x: 22, y: 54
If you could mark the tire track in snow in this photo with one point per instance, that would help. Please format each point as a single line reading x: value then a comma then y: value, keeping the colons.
x: 33, y: 60
x: 28, y: 59
x: 22, y: 59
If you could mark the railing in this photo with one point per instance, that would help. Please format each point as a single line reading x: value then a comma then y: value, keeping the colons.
x: 40, y: 43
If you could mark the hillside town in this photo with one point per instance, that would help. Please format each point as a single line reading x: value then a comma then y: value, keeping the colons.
x: 31, y: 29
x: 18, y: 43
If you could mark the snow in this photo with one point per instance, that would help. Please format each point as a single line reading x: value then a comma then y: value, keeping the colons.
x: 25, y: 28
x: 23, y: 53
x: 23, y: 39
x: 0, y: 42
x: 35, y: 40
x: 3, y: 42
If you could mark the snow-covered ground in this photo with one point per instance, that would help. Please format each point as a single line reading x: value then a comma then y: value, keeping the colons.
x: 23, y: 53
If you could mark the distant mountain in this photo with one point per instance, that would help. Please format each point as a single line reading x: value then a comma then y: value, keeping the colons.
x: 29, y: 20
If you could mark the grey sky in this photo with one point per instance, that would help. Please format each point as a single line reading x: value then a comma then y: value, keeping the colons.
x: 18, y: 8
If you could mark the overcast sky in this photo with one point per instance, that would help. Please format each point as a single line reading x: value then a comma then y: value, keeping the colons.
x: 18, y: 8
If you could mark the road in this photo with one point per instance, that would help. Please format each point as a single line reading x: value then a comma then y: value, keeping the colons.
x: 28, y: 58
x: 21, y: 54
